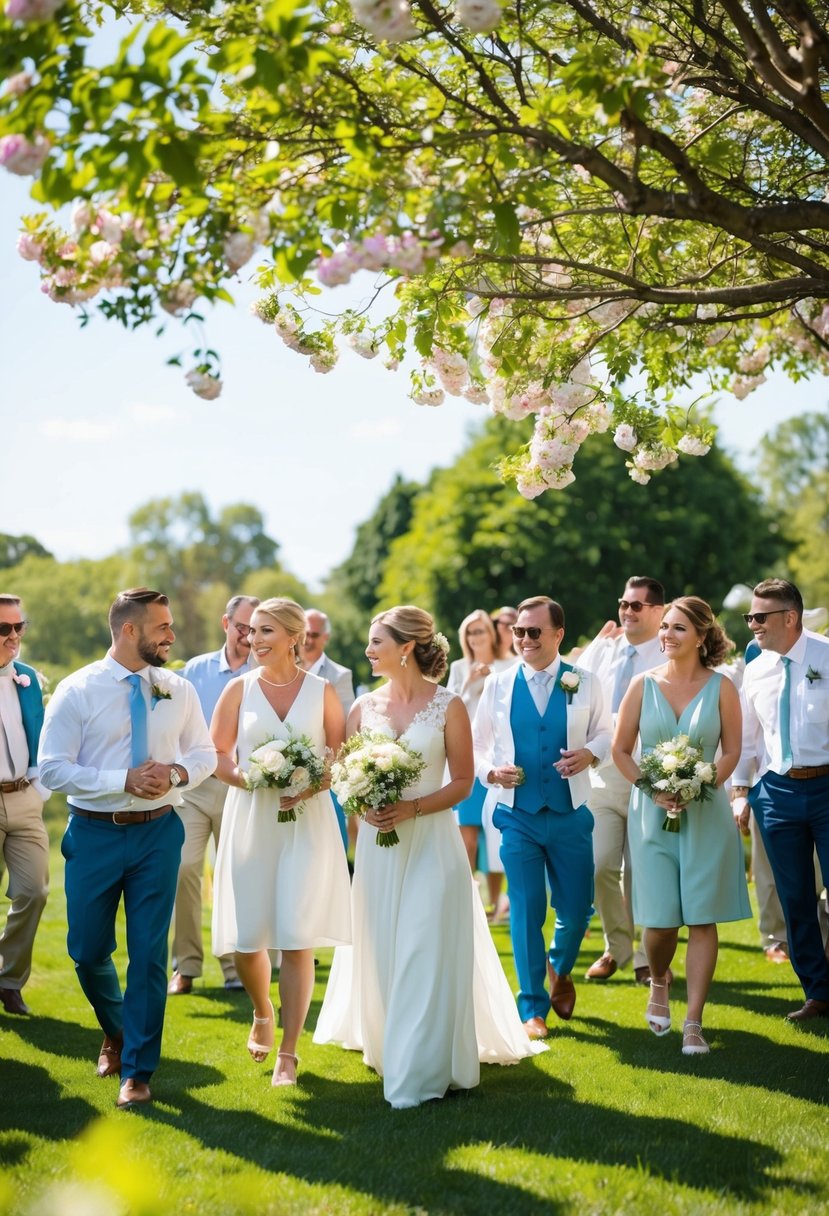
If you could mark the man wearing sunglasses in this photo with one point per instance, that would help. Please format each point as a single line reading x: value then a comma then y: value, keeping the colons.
x: 23, y: 837
x: 201, y: 808
x: 615, y: 659
x: 786, y: 722
x: 316, y: 661
x: 539, y: 726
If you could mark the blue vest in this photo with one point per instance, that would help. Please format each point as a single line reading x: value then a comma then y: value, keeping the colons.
x: 31, y: 708
x: 538, y: 744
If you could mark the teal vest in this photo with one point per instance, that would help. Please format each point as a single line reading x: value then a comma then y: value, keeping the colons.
x: 31, y: 708
x: 538, y: 744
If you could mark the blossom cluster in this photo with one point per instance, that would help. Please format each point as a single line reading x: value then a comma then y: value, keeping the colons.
x: 203, y: 384
x: 21, y: 156
x: 32, y: 11
x: 678, y: 768
x: 374, y: 770
x: 291, y: 765
x: 391, y: 20
x: 407, y: 253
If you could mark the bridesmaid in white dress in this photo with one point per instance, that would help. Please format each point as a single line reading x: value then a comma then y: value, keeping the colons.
x: 277, y: 886
x: 422, y: 993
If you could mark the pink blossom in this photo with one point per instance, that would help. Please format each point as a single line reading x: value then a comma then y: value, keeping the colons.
x: 108, y: 226
x: 204, y: 386
x: 476, y: 395
x: 28, y: 248
x: 386, y: 20
x: 529, y: 485
x: 364, y: 345
x: 323, y: 361
x: 335, y: 270
x: 82, y: 216
x: 179, y: 298
x: 21, y: 678
x: 373, y: 254
x: 407, y: 254
x: 429, y: 396
x: 625, y: 437
x: 480, y: 16
x: 239, y: 248
x: 69, y: 251
x: 101, y: 252
x: 21, y: 157
x: 692, y: 445
x: 638, y: 475
x: 19, y: 84
x: 32, y: 10
x: 741, y: 386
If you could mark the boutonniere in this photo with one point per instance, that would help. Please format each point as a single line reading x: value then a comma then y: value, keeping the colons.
x: 812, y: 675
x: 159, y: 694
x: 24, y: 681
x: 569, y: 683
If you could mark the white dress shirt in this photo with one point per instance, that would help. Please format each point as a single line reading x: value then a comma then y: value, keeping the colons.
x: 86, y: 742
x: 14, y: 747
x: 809, y: 717
x: 605, y: 656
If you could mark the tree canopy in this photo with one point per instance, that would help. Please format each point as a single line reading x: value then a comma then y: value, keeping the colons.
x: 583, y: 211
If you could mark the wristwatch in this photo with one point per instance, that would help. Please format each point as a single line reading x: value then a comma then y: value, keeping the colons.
x: 175, y: 777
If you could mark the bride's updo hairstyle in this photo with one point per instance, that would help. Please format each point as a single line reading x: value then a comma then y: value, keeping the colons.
x: 406, y: 623
x: 715, y: 643
x: 289, y: 615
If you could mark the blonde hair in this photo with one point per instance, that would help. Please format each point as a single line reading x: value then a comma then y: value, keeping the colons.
x: 289, y: 615
x: 408, y: 623
x: 485, y: 619
x: 715, y: 643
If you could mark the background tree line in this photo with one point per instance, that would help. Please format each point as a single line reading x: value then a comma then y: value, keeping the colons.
x: 459, y: 541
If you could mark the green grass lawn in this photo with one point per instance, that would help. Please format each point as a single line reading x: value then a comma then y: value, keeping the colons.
x: 611, y: 1119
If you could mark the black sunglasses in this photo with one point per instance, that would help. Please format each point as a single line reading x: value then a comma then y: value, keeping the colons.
x: 532, y: 631
x: 760, y: 617
x: 19, y: 628
x: 636, y: 605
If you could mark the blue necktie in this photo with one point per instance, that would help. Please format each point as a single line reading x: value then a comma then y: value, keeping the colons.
x: 785, y: 710
x: 624, y: 675
x: 138, y: 721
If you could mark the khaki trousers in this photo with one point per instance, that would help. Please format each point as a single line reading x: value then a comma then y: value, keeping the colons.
x: 24, y: 846
x: 614, y: 876
x: 201, y: 813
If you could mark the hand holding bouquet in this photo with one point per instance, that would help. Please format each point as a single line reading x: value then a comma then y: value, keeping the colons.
x: 373, y: 770
x: 678, y: 770
x: 291, y: 765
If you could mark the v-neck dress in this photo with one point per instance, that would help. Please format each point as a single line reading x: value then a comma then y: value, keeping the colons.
x: 422, y: 992
x: 279, y: 886
x: 695, y: 876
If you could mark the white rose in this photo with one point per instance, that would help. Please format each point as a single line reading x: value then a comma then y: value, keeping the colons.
x: 670, y: 763
x: 269, y: 759
x: 704, y: 773
x: 570, y: 681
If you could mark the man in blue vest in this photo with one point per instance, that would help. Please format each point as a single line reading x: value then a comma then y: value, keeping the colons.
x: 539, y: 727
x: 23, y: 838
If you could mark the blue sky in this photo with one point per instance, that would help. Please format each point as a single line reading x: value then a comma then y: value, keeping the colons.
x: 99, y: 424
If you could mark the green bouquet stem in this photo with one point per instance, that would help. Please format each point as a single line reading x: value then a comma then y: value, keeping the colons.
x: 671, y: 824
x: 387, y: 839
x: 286, y: 816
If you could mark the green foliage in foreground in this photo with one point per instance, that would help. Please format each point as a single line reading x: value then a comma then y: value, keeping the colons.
x: 610, y: 1120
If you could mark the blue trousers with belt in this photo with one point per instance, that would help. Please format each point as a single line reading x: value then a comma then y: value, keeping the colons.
x: 140, y: 861
x: 560, y: 847
x: 793, y: 818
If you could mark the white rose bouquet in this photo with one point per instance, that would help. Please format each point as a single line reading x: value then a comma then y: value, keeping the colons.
x: 291, y: 765
x: 679, y: 769
x: 373, y: 770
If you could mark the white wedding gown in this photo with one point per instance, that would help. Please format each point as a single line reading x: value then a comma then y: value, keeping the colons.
x: 421, y: 992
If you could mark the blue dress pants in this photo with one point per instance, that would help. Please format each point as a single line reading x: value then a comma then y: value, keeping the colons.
x: 793, y: 818
x: 140, y: 861
x: 559, y: 847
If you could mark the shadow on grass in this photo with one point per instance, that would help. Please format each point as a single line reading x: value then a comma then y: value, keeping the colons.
x: 50, y: 1115
x: 60, y: 1038
x: 343, y: 1134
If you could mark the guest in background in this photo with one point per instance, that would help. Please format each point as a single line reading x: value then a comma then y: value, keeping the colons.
x: 315, y: 660
x: 503, y: 620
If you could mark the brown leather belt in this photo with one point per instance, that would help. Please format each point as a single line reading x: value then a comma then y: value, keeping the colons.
x: 14, y: 787
x: 122, y: 818
x: 803, y: 774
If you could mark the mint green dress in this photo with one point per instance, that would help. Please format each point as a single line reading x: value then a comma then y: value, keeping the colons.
x: 695, y: 876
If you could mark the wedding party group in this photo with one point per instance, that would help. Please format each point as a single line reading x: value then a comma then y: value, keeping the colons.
x: 619, y: 776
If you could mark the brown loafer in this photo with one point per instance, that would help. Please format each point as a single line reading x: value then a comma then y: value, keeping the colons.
x: 812, y: 1009
x: 12, y: 1001
x: 562, y: 993
x: 109, y: 1057
x: 536, y: 1028
x: 602, y: 969
x: 133, y: 1093
x: 180, y: 985
x: 777, y: 953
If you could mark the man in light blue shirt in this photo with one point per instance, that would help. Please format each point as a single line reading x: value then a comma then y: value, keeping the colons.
x: 201, y: 809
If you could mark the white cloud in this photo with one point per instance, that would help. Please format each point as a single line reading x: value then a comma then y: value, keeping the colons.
x: 385, y: 428
x: 80, y: 430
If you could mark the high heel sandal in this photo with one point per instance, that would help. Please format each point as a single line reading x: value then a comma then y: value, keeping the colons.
x: 658, y: 1024
x: 282, y: 1078
x: 693, y: 1044
x: 260, y: 1051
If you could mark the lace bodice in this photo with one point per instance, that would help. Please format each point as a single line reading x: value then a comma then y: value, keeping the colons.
x: 424, y: 734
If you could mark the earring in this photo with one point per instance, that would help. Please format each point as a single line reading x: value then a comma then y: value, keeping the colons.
x: 662, y: 647
x: 703, y: 650
x: 404, y: 659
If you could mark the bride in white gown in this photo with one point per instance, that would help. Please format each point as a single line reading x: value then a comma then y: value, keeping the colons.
x: 422, y: 992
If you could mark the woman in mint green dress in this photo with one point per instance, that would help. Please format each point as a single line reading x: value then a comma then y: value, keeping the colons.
x: 696, y: 876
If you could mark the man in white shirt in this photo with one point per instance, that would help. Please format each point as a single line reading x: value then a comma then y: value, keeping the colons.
x: 539, y: 726
x: 786, y: 723
x: 23, y: 840
x: 201, y: 809
x: 316, y: 661
x: 120, y: 737
x: 615, y: 660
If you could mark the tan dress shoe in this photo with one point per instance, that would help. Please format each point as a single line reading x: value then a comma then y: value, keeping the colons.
x: 777, y: 953
x: 109, y: 1057
x: 536, y: 1028
x: 602, y: 969
x: 562, y: 993
x: 812, y: 1009
x: 180, y: 985
x: 133, y: 1093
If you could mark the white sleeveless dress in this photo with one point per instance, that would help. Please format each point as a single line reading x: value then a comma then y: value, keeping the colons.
x: 422, y: 992
x: 279, y: 886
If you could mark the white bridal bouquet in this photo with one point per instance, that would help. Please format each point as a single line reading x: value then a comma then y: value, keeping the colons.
x: 678, y: 768
x: 373, y: 770
x: 291, y: 765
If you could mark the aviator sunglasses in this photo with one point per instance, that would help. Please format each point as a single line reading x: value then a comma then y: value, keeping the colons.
x: 636, y: 605
x: 532, y: 631
x: 19, y: 628
x: 760, y: 617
